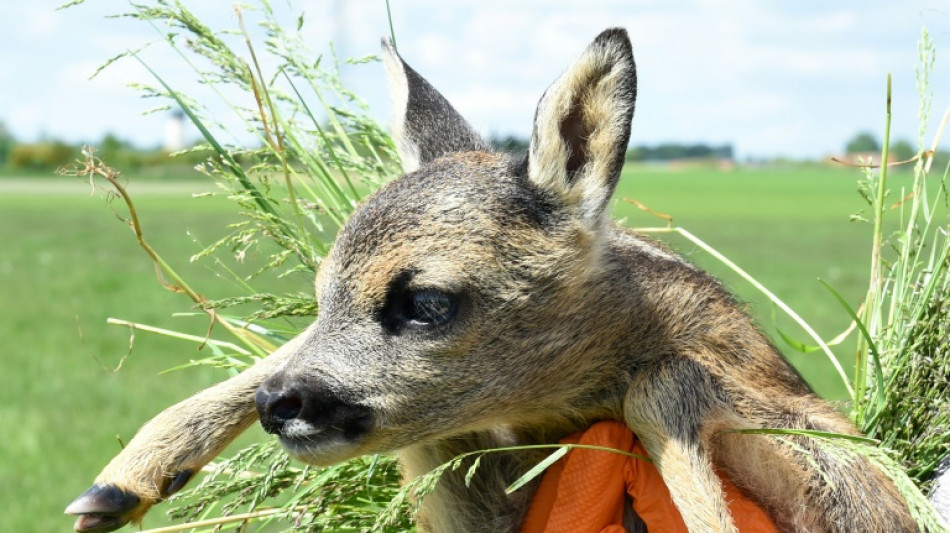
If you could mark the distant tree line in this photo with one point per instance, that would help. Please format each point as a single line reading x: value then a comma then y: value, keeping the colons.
x: 865, y: 143
x: 677, y: 152
x: 7, y: 142
x: 660, y: 152
x: 510, y: 143
x: 46, y: 155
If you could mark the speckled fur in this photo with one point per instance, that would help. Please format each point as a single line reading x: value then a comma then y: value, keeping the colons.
x: 565, y: 319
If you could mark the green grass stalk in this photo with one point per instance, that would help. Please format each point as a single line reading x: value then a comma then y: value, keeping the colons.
x: 873, y: 302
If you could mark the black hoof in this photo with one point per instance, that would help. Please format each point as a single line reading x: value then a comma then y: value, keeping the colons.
x: 102, y: 508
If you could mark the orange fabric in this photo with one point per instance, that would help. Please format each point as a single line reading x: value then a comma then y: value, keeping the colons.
x: 584, y: 491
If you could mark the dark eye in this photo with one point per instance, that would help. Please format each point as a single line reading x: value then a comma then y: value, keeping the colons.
x: 430, y: 307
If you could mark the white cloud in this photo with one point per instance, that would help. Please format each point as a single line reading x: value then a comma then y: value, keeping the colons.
x: 29, y: 116
x: 10, y: 66
x: 433, y: 49
x: 777, y: 139
x: 39, y: 21
x: 114, y: 77
x: 487, y: 106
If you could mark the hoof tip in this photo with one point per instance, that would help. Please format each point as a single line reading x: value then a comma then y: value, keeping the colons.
x: 103, y: 508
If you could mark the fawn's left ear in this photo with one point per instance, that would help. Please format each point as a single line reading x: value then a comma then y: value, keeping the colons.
x: 425, y: 125
x: 582, y: 126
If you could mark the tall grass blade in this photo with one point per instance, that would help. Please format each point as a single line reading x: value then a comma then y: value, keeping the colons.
x: 537, y: 470
x: 860, y: 405
x: 226, y: 156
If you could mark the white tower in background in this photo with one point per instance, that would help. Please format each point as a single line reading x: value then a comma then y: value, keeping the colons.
x: 175, y: 131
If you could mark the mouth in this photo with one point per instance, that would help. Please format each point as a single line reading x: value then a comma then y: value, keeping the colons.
x: 327, y: 445
x: 320, y: 451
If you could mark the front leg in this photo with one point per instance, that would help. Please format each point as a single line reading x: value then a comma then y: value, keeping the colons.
x: 672, y: 407
x: 172, y: 447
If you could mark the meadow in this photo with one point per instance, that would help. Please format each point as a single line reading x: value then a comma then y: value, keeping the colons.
x: 67, y: 264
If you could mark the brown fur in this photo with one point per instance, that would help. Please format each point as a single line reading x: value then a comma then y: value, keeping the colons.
x: 562, y: 320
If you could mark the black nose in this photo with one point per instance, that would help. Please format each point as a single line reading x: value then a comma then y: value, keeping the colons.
x: 277, y: 408
x: 304, y: 408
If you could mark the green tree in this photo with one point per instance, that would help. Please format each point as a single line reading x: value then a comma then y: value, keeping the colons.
x: 862, y: 143
x: 42, y: 156
x: 902, y: 150
x: 6, y: 143
x: 110, y: 145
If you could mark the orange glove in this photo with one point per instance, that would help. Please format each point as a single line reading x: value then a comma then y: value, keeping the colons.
x: 584, y: 491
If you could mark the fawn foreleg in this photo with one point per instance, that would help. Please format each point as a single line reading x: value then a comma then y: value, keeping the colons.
x: 169, y: 449
x: 670, y: 406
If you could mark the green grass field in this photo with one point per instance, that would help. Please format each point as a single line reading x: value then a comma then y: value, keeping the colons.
x: 67, y: 264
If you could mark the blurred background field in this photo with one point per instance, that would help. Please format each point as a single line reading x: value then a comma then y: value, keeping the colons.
x: 68, y: 264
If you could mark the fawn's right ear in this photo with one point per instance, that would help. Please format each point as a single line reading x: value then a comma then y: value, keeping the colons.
x: 426, y: 126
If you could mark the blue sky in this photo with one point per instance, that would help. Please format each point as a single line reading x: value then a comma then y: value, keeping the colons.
x: 795, y: 79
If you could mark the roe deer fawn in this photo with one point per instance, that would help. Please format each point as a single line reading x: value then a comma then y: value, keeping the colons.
x: 485, y: 300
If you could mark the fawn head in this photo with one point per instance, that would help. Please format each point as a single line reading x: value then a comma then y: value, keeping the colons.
x: 458, y: 296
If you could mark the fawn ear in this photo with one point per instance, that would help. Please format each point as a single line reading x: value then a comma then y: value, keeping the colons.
x: 582, y: 126
x: 426, y: 126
